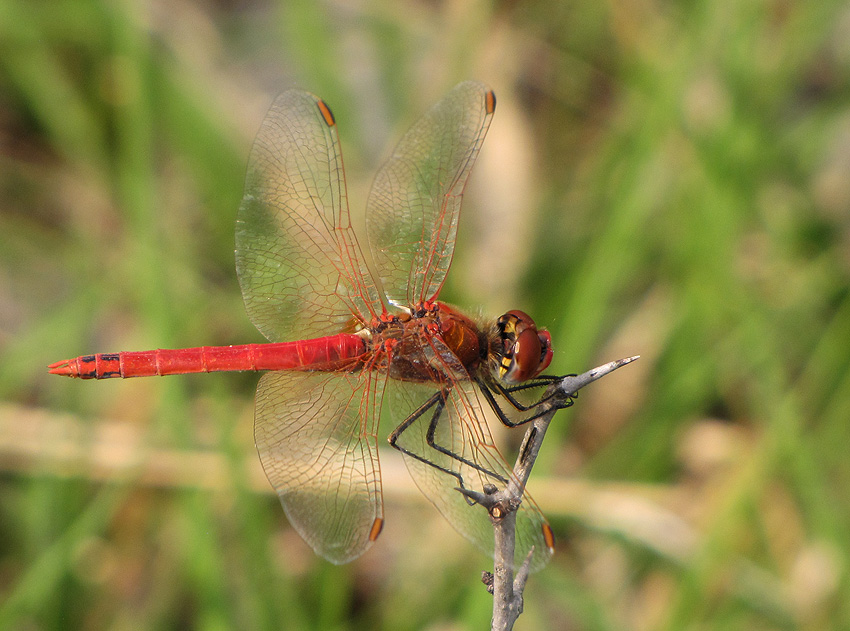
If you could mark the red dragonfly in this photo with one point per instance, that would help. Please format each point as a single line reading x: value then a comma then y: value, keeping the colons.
x: 373, y: 343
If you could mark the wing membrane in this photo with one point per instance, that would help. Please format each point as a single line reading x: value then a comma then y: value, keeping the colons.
x: 315, y: 433
x: 298, y: 261
x: 412, y: 212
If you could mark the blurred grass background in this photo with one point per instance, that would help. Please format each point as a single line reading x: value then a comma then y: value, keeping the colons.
x: 664, y: 179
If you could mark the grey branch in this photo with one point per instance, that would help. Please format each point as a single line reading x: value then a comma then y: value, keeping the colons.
x: 506, y: 588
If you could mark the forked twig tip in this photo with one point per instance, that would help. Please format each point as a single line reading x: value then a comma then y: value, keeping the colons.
x: 571, y: 384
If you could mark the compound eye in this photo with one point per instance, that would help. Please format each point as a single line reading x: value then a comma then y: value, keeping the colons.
x: 516, y: 319
x: 527, y: 354
x: 525, y: 351
x: 545, y: 351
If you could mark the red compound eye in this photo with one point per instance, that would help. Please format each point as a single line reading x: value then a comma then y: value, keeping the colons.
x: 526, y: 351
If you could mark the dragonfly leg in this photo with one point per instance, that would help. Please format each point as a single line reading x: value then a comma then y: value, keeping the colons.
x: 437, y: 399
x: 537, y: 382
x: 438, y: 402
x: 507, y: 393
x: 429, y: 438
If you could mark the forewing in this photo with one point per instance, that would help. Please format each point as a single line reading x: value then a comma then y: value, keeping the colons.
x: 315, y: 433
x: 412, y: 212
x: 462, y: 430
x: 301, y: 271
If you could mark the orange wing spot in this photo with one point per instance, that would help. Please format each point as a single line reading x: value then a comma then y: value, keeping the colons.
x: 326, y: 113
x: 548, y: 536
x: 377, y: 526
x: 490, y: 101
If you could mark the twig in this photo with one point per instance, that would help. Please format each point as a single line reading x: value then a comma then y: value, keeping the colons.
x: 502, y: 505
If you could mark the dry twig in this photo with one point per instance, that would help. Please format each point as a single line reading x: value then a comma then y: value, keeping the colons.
x: 506, y: 587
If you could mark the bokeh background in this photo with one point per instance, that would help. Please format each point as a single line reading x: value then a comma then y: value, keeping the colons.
x: 669, y: 179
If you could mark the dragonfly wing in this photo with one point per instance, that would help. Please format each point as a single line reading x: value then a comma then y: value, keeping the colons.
x: 297, y: 258
x: 315, y: 433
x: 462, y: 430
x: 412, y: 212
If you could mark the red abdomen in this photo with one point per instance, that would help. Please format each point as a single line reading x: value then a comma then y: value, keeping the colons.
x: 335, y: 352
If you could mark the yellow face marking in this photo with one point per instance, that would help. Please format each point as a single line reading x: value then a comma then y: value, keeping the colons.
x: 504, y: 366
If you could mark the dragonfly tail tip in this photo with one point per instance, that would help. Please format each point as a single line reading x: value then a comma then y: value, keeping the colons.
x: 63, y: 367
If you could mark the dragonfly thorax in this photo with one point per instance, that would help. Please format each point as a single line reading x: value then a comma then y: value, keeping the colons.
x: 518, y: 351
x: 433, y: 342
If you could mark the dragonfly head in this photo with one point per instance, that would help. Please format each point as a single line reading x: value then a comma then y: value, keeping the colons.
x: 522, y: 352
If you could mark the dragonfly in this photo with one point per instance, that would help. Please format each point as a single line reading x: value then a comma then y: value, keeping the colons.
x: 345, y: 345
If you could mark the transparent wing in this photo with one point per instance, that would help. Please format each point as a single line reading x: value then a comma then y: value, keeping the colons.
x: 297, y: 258
x: 315, y: 433
x: 463, y: 432
x: 412, y: 212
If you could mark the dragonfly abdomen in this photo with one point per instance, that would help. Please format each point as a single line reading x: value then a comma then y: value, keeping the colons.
x: 324, y: 353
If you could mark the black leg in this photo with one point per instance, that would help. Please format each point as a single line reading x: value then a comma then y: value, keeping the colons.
x: 438, y: 402
x: 487, y: 390
x: 538, y: 382
x: 429, y: 438
x: 438, y: 399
